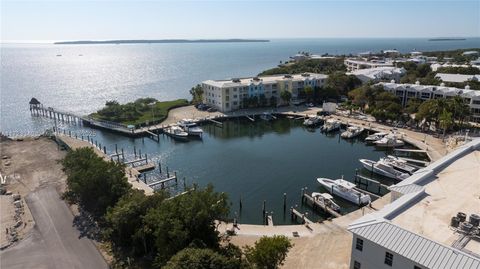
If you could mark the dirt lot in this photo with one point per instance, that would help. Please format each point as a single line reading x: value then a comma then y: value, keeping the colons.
x: 25, y: 173
x: 48, y: 233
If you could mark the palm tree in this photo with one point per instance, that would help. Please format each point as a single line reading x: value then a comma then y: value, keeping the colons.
x: 446, y: 121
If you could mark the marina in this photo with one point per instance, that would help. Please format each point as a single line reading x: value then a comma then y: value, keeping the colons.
x: 239, y: 135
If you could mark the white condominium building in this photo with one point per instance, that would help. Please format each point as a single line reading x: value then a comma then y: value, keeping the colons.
x: 229, y: 95
x: 425, y: 92
x: 432, y: 220
x: 359, y: 63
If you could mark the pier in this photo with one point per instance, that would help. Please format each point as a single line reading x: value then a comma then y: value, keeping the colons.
x: 298, y: 216
x: 317, y: 205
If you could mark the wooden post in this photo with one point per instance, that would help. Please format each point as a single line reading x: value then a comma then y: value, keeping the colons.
x: 116, y: 148
x: 240, y: 203
x: 135, y: 151
x: 175, y: 173
x: 184, y: 184
x: 263, y: 208
x: 284, y: 202
x: 104, y: 149
x: 168, y: 173
x: 159, y: 167
x: 146, y: 159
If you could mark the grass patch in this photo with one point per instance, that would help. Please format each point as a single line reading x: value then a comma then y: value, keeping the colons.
x: 141, y: 112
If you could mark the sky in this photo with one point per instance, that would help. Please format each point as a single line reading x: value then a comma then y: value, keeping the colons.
x: 108, y: 19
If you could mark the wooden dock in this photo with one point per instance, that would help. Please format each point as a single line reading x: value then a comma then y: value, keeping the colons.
x: 298, y: 216
x: 315, y: 204
x: 367, y: 182
x: 163, y: 181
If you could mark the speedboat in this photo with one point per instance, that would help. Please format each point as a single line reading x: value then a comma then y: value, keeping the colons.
x: 177, y: 133
x: 331, y: 125
x: 389, y: 142
x: 266, y: 116
x: 352, y: 131
x: 312, y: 121
x: 345, y: 190
x: 190, y: 127
x: 326, y: 199
x: 375, y: 137
x: 400, y: 164
x: 383, y: 168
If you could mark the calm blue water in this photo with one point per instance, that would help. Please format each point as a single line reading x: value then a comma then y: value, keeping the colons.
x: 82, y: 84
x: 255, y: 161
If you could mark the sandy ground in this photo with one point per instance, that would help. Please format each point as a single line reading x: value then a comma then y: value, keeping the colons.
x: 51, y: 238
x: 25, y: 174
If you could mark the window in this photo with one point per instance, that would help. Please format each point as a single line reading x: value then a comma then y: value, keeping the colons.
x: 359, y: 244
x: 388, y: 258
x: 356, y: 265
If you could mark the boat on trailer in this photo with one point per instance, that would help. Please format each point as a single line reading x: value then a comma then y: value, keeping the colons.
x: 345, y: 189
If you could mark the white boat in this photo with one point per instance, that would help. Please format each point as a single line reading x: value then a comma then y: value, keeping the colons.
x: 345, y: 190
x: 331, y: 125
x: 389, y: 142
x: 325, y: 199
x: 375, y: 137
x: 352, y: 131
x: 383, y: 168
x: 176, y: 132
x: 190, y: 127
x: 401, y: 165
x: 312, y: 121
x: 266, y: 116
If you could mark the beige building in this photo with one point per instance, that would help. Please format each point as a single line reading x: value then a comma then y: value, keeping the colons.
x: 230, y: 95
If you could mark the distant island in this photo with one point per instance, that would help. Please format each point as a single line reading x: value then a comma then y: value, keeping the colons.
x: 86, y: 42
x: 447, y: 39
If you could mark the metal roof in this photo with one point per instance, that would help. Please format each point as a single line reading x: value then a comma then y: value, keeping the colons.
x: 414, y: 247
x: 410, y: 188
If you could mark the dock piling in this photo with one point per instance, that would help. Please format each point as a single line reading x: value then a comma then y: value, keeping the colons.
x: 284, y: 202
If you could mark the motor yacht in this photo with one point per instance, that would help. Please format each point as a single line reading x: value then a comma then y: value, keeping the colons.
x: 331, y: 125
x: 345, y: 190
x: 384, y: 168
x: 190, y: 127
x: 352, y: 131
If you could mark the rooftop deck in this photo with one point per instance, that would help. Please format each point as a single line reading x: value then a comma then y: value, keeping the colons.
x: 455, y: 189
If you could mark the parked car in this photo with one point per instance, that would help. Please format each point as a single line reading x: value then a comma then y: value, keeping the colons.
x: 212, y: 109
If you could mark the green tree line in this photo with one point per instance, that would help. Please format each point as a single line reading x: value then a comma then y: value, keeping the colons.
x: 159, y: 231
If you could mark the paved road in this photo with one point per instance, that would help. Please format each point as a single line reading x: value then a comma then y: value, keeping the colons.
x: 54, y: 242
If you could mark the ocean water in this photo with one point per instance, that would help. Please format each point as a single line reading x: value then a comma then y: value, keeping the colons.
x: 82, y: 84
